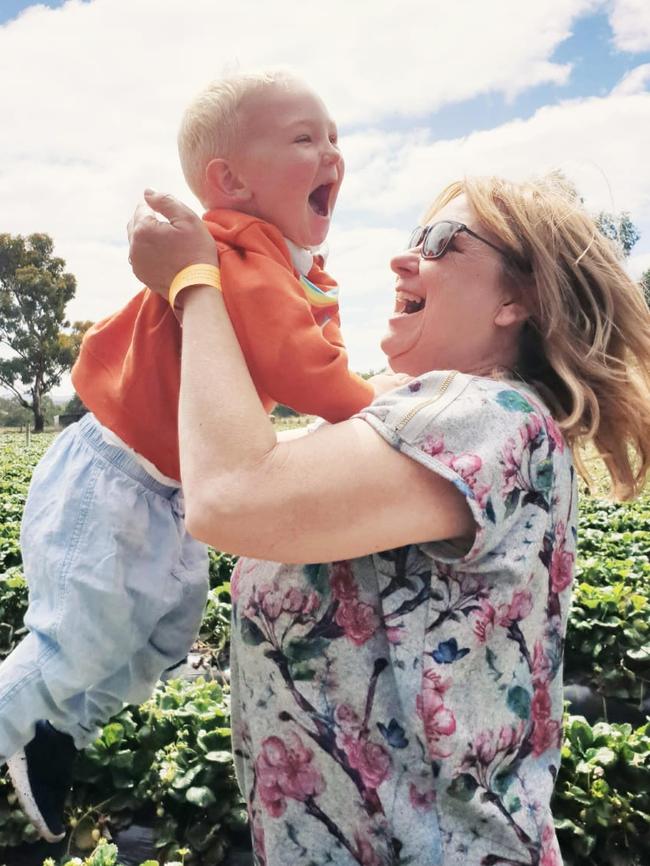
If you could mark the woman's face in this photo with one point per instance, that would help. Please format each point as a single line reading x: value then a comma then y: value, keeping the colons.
x: 470, y: 319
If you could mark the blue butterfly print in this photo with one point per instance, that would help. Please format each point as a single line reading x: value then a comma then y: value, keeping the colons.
x: 448, y: 652
x: 393, y: 734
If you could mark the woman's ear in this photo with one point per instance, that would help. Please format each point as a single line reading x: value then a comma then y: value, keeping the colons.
x: 511, y: 312
x: 224, y: 185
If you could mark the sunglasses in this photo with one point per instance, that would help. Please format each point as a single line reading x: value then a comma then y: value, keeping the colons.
x: 434, y: 240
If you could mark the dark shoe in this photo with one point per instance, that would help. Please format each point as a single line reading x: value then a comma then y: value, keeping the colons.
x: 41, y: 774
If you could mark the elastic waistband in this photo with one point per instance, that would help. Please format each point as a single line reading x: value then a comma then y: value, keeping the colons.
x: 90, y: 430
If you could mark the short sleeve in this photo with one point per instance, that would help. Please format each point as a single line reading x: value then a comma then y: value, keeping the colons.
x: 496, y: 443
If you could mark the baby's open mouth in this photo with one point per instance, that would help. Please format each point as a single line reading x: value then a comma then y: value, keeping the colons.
x: 407, y: 303
x: 319, y: 199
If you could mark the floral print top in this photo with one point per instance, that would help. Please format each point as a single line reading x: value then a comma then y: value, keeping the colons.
x: 406, y: 707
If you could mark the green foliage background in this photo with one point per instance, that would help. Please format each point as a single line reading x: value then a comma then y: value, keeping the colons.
x: 168, y: 762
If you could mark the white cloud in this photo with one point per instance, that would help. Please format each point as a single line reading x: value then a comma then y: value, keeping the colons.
x: 638, y: 265
x: 96, y: 91
x: 630, y: 21
x: 636, y: 81
x: 601, y: 143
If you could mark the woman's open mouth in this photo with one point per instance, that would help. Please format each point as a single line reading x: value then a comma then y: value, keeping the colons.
x: 407, y: 303
x: 319, y: 199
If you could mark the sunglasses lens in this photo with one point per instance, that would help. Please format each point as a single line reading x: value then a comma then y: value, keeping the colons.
x: 415, y: 238
x: 438, y: 238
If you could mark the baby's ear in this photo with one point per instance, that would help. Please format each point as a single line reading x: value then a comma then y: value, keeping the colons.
x: 224, y: 184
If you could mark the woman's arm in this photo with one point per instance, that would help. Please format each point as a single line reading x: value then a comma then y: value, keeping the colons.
x: 334, y: 494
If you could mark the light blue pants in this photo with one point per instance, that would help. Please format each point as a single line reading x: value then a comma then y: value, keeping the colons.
x: 117, y: 590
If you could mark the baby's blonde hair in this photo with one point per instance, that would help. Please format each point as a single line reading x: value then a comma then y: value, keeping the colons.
x: 586, y: 345
x: 210, y: 127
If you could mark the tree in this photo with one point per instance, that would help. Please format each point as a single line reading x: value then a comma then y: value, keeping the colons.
x: 12, y: 414
x: 34, y: 291
x: 619, y: 229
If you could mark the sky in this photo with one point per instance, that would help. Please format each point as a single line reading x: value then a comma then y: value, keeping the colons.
x: 423, y: 91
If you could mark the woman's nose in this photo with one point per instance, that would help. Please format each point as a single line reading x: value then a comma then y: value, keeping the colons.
x: 406, y: 262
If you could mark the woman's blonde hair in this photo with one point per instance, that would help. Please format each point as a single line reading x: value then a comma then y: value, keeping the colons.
x: 211, y: 124
x: 586, y: 344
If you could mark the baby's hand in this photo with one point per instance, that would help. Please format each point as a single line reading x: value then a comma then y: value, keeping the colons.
x: 388, y: 381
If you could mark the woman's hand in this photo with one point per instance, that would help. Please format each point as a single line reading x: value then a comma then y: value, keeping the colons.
x: 159, y: 250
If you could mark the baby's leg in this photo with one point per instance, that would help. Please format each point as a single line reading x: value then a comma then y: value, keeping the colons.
x: 100, y: 542
x: 169, y: 643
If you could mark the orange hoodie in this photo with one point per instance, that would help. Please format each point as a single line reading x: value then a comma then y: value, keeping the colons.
x: 128, y: 370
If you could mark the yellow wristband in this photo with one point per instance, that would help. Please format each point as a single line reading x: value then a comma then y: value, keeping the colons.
x: 194, y: 275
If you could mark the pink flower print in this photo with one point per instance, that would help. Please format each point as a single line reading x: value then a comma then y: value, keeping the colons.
x: 294, y: 600
x: 485, y: 748
x: 437, y: 719
x: 555, y: 433
x: 518, y: 609
x: 466, y: 465
x: 484, y: 622
x: 285, y: 771
x: 347, y: 719
x: 270, y: 600
x: 541, y: 665
x: 433, y: 445
x: 234, y: 581
x: 312, y: 603
x: 486, y: 745
x: 540, y: 706
x: 432, y: 681
x: 481, y: 494
x: 530, y: 431
x: 421, y: 800
x: 371, y: 760
x: 251, y: 608
x: 510, y: 737
x: 365, y: 853
x: 342, y: 582
x: 561, y: 568
x: 470, y: 585
x: 394, y: 633
x: 259, y: 846
x: 358, y: 620
x: 511, y: 460
x: 547, y: 734
x: 546, y: 731
x: 550, y: 852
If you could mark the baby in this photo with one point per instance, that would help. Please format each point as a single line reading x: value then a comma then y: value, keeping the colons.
x: 117, y: 586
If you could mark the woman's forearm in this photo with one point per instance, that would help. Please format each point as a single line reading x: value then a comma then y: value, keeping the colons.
x: 223, y: 427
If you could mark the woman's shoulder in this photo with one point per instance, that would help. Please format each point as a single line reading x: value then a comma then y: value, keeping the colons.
x: 478, y: 406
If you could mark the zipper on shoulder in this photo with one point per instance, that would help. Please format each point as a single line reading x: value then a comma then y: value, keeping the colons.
x: 444, y: 385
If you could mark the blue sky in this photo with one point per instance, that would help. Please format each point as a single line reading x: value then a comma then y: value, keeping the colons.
x: 597, y: 67
x: 423, y: 90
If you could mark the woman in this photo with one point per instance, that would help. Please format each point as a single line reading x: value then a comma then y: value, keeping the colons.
x: 399, y: 700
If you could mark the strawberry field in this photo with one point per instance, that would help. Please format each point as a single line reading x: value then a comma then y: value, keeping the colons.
x: 166, y: 765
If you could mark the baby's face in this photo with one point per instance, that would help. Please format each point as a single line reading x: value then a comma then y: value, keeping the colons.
x: 290, y: 161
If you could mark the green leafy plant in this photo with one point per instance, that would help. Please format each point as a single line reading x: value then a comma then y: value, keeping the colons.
x: 608, y: 637
x: 602, y: 794
x: 107, y: 855
x: 168, y: 761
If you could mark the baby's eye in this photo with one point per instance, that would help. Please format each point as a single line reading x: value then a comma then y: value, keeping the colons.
x: 303, y: 139
x: 334, y: 139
